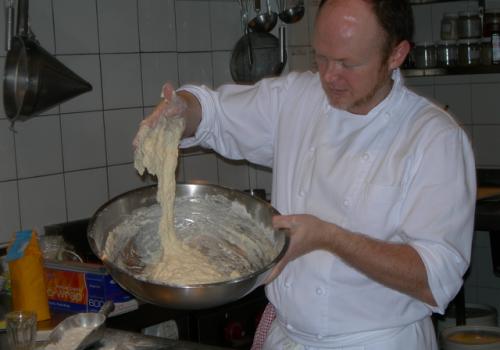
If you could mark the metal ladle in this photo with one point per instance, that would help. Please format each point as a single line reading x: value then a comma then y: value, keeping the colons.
x: 244, y: 26
x: 263, y: 22
x: 292, y: 14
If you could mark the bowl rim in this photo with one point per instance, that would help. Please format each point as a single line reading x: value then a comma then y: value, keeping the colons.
x: 253, y: 275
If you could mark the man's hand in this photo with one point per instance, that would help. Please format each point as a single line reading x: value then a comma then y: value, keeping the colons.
x: 171, y: 106
x: 306, y: 234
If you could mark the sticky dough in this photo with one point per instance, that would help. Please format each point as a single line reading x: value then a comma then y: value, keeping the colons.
x: 157, y: 152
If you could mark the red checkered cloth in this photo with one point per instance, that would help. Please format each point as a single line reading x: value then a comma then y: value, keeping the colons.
x: 268, y: 316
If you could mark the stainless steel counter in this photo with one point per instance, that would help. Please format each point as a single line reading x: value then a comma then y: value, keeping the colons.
x: 121, y: 340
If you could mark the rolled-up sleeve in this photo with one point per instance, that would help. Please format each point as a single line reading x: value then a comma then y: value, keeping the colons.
x: 438, y: 214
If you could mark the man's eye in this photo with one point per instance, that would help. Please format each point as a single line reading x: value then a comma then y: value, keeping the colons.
x: 349, y: 65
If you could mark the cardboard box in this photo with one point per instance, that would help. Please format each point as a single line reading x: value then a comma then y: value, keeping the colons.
x: 84, y: 287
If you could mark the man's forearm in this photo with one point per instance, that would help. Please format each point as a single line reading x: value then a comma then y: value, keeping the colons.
x: 394, y: 265
x: 192, y: 114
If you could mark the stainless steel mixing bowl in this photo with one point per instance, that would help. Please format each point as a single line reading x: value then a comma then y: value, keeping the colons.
x: 197, y: 296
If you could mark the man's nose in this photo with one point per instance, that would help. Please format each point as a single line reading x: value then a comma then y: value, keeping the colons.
x: 333, y: 71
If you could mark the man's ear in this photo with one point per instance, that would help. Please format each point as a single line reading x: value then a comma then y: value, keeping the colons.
x: 398, y: 55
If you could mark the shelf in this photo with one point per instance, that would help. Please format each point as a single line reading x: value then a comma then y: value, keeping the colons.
x: 429, y: 72
x: 421, y: 2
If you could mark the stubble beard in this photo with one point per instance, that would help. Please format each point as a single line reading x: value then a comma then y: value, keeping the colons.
x: 365, y: 101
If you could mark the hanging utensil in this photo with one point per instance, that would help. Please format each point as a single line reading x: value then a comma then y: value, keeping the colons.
x: 282, y: 31
x: 244, y: 27
x: 291, y: 14
x: 269, y: 57
x: 9, y: 23
x: 263, y: 21
x: 34, y: 80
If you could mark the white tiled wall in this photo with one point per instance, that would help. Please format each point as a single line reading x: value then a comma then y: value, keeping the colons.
x: 64, y: 164
x: 67, y: 162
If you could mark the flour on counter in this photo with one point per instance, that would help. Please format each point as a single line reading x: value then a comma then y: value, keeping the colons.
x: 70, y: 339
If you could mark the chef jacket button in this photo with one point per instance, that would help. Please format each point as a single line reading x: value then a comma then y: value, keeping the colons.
x: 365, y: 157
x: 319, y: 336
x: 347, y: 203
x: 302, y: 193
x: 319, y: 291
x: 287, y: 284
x: 289, y: 326
x: 387, y: 115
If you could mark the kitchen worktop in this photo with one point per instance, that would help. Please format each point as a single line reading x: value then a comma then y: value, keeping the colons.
x: 487, y: 208
x: 488, y: 200
x: 115, y: 339
x: 487, y: 218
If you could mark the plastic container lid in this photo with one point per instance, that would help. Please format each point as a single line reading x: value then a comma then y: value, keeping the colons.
x: 468, y: 14
x: 447, y: 43
x: 469, y: 41
x: 425, y: 44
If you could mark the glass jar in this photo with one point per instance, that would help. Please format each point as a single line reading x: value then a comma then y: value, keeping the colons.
x: 491, y: 23
x: 469, y: 52
x: 495, y: 48
x: 425, y: 55
x: 469, y: 25
x: 447, y: 53
x: 449, y: 26
x: 485, y: 59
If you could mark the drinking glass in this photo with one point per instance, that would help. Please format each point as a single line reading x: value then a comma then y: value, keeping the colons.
x: 21, y: 330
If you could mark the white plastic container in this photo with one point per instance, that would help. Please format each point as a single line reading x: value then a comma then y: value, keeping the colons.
x: 470, y: 338
x: 475, y: 315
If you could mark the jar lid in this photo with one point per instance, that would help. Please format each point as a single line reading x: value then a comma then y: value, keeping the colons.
x: 447, y: 42
x: 468, y: 13
x: 425, y: 44
x: 468, y: 41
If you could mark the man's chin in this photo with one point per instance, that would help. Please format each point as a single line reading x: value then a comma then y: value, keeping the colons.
x: 338, y: 103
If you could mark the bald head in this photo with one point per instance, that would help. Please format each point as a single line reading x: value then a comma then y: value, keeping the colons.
x: 351, y: 25
x: 395, y: 17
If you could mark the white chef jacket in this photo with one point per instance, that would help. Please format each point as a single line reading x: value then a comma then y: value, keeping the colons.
x: 402, y: 173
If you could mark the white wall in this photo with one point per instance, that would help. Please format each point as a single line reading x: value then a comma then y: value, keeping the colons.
x: 64, y: 164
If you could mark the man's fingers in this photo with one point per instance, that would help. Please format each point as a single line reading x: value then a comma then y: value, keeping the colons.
x: 167, y: 91
x: 284, y: 221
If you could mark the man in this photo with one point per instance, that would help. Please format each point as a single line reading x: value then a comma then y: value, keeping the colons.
x: 376, y: 184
